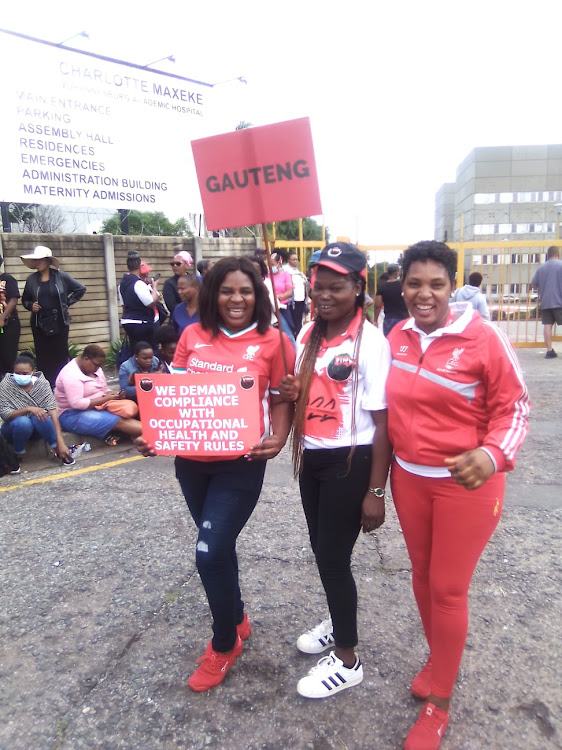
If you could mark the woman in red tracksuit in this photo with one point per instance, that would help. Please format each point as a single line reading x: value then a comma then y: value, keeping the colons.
x: 457, y: 414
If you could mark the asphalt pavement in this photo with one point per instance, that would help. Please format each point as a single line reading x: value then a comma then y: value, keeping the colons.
x: 103, y: 614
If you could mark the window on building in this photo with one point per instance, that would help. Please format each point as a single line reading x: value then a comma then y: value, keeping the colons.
x: 504, y: 228
x: 506, y: 197
x: 483, y: 229
x: 522, y: 228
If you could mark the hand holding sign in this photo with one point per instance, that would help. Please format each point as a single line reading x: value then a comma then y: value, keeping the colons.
x: 188, y: 415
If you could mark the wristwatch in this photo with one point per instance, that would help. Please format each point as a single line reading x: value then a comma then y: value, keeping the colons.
x: 377, y: 491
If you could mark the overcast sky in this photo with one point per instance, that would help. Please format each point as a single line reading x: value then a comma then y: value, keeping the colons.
x: 397, y: 93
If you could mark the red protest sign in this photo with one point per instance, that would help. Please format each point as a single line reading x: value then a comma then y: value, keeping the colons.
x: 189, y: 415
x: 258, y: 175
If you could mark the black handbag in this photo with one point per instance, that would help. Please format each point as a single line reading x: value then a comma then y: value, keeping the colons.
x: 48, y: 321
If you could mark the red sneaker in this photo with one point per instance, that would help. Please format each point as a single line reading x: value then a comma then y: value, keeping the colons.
x: 421, y: 684
x: 244, y: 630
x: 428, y: 731
x: 213, y: 667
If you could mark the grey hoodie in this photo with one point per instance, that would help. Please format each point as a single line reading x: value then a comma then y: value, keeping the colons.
x: 472, y: 294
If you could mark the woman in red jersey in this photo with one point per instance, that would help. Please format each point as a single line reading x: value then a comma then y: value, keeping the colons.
x: 233, y: 335
x: 457, y: 414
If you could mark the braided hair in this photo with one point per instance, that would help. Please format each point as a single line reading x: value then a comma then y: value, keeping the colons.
x: 306, y: 366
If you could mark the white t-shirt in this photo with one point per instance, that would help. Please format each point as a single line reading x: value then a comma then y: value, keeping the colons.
x: 328, y: 418
x: 299, y: 283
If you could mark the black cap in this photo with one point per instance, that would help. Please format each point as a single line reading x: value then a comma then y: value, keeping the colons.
x: 342, y: 257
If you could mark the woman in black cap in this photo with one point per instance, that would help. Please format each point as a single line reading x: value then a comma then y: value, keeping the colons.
x: 48, y: 293
x: 341, y: 452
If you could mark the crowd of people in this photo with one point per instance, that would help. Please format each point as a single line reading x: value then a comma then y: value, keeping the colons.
x: 437, y: 401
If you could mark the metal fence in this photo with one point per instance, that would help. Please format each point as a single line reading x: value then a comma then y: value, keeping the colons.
x: 507, y: 269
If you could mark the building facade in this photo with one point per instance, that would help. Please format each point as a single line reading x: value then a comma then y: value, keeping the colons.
x: 503, y: 193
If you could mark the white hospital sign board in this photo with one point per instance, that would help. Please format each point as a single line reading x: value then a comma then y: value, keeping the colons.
x: 81, y: 129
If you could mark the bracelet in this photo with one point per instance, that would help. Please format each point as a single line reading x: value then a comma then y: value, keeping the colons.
x: 377, y: 492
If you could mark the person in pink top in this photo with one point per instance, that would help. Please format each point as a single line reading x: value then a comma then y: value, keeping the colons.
x: 283, y: 286
x: 81, y: 392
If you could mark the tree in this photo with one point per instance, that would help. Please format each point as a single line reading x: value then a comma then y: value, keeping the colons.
x: 289, y: 230
x: 32, y: 217
x: 151, y: 223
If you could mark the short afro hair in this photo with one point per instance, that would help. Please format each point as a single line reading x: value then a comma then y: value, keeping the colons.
x: 426, y: 250
x: 475, y: 278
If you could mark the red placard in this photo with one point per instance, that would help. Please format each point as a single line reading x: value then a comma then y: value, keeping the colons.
x: 258, y: 175
x: 193, y: 415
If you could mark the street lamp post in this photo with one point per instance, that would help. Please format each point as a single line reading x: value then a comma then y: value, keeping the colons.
x: 558, y: 209
x: 229, y: 80
x: 80, y: 33
x: 171, y: 58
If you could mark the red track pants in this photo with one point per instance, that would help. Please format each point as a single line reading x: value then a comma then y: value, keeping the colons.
x: 446, y: 529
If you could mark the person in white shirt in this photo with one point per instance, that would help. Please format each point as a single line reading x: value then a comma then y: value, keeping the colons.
x: 138, y: 301
x: 297, y: 303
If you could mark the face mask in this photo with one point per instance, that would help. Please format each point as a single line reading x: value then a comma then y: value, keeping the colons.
x: 275, y: 269
x: 21, y: 379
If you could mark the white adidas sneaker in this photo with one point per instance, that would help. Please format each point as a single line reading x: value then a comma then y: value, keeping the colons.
x: 329, y: 677
x: 318, y: 639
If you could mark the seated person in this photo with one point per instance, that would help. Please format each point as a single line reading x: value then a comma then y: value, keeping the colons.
x: 142, y: 361
x: 85, y: 402
x: 29, y: 409
x: 167, y: 338
x: 186, y: 311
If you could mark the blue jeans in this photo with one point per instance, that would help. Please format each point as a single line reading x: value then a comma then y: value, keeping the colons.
x: 221, y: 496
x: 287, y: 326
x: 19, y: 430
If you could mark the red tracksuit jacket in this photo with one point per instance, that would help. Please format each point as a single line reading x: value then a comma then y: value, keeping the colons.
x: 466, y: 391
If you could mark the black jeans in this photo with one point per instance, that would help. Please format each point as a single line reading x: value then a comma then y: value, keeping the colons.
x: 297, y: 313
x: 51, y: 352
x: 221, y: 496
x: 332, y: 500
x: 9, y: 342
x: 140, y: 332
